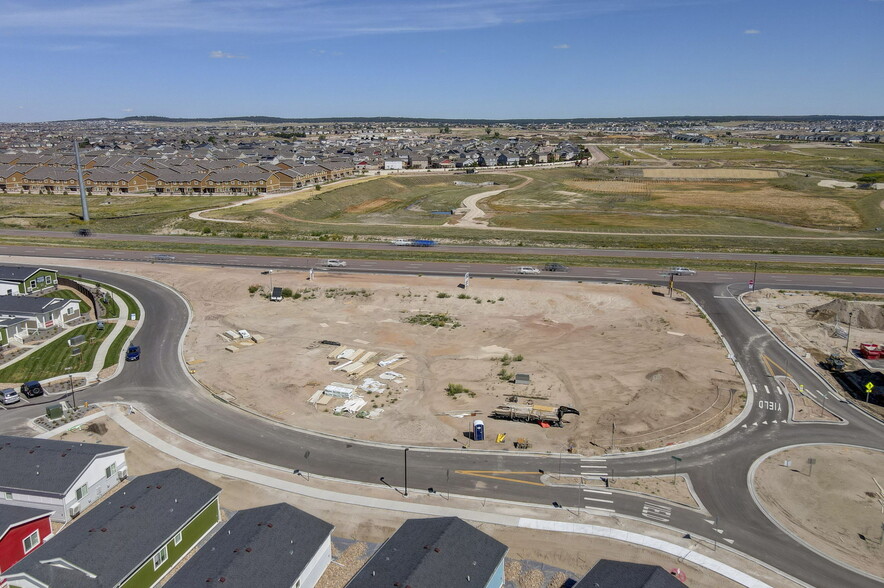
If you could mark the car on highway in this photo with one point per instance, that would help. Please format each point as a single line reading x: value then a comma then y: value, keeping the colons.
x: 133, y: 353
x: 527, y: 269
x: 335, y: 263
x: 9, y: 396
x: 32, y: 389
x: 400, y: 242
x: 681, y: 271
x: 84, y: 232
x: 555, y: 267
x: 163, y: 257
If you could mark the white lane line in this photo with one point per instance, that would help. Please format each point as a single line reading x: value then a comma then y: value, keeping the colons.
x: 598, y: 500
x: 597, y: 491
x: 754, y: 389
x: 601, y: 508
x: 766, y: 389
x: 809, y: 393
x: 823, y: 394
x: 780, y: 390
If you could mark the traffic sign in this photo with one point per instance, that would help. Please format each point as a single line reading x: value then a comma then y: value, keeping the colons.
x: 869, y: 387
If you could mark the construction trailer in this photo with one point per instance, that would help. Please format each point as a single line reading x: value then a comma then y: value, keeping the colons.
x: 548, y: 416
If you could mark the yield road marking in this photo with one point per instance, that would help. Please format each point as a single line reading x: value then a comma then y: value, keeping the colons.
x: 496, y: 475
x: 754, y: 389
x: 731, y: 541
x: 766, y: 390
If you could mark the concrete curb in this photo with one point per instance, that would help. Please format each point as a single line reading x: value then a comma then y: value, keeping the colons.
x: 749, y: 482
x: 433, y: 510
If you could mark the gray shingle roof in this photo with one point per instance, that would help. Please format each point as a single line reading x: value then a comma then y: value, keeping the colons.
x: 117, y: 536
x: 19, y: 273
x: 11, y: 516
x: 16, y: 305
x: 45, y: 466
x: 621, y: 574
x: 426, y: 553
x: 281, y: 540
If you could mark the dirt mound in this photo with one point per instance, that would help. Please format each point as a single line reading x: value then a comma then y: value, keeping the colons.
x: 666, y: 377
x: 865, y: 314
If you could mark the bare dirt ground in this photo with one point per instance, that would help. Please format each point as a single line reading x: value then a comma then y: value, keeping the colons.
x: 615, y: 353
x: 674, y: 488
x: 836, y: 506
x: 711, y: 174
x: 529, y: 550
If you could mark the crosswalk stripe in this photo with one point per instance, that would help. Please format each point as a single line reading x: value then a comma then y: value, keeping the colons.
x: 597, y: 491
x: 809, y: 393
x: 766, y: 389
x: 754, y: 388
x: 598, y: 500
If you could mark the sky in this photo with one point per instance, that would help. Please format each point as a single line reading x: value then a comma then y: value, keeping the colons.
x: 497, y: 59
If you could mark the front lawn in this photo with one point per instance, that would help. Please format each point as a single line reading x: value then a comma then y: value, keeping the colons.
x: 54, y: 358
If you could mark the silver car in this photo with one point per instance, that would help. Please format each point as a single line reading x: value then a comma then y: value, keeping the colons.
x: 9, y: 396
x: 681, y: 271
x: 335, y: 263
x: 527, y: 270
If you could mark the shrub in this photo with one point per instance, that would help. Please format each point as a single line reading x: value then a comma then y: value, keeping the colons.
x: 443, y: 295
x: 518, y: 357
x: 287, y: 292
x: 463, y: 296
x: 454, y: 389
x: 505, y: 375
x: 254, y: 288
x: 506, y: 359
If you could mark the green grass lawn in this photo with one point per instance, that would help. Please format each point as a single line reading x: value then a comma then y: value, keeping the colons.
x: 113, y: 311
x: 54, y: 358
x: 113, y: 353
x: 69, y: 295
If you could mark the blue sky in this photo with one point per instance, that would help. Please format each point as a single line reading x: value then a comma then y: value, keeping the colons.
x: 455, y: 58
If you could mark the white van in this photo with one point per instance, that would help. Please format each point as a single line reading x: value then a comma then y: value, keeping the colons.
x: 401, y: 242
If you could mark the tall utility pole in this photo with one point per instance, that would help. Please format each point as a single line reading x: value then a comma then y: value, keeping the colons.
x: 754, y: 276
x: 80, y: 180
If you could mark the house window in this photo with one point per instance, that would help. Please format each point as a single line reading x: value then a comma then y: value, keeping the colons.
x: 178, y: 538
x: 82, y: 491
x: 7, y: 495
x: 160, y: 557
x: 110, y: 471
x: 33, y: 284
x: 32, y: 541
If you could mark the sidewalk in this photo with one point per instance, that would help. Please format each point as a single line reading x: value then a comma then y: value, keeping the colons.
x: 494, y: 512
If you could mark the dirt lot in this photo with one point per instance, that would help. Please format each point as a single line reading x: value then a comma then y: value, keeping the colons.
x: 836, y: 507
x: 535, y: 559
x: 609, y: 351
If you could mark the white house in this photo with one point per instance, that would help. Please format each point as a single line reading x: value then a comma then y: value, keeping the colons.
x: 40, y: 312
x: 393, y: 164
x: 65, y: 477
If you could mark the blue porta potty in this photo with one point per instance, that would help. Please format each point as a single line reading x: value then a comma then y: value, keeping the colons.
x: 478, y: 430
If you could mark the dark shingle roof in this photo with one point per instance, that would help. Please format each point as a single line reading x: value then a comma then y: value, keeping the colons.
x: 281, y: 540
x: 12, y: 516
x: 31, y: 305
x: 45, y: 466
x: 433, y: 552
x: 19, y: 273
x: 105, y: 545
x: 621, y: 574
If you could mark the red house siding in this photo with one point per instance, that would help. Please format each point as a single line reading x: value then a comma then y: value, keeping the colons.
x: 12, y: 548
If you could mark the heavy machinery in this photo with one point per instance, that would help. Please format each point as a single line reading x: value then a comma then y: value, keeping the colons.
x: 833, y: 363
x: 545, y: 416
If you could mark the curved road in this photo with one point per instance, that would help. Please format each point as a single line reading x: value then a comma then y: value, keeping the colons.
x: 718, y: 468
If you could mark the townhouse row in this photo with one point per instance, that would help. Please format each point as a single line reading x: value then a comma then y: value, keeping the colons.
x: 17, y: 179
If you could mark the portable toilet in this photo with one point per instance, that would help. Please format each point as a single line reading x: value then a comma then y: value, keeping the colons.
x: 478, y: 430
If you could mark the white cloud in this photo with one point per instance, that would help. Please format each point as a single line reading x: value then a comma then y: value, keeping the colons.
x: 223, y: 55
x: 562, y: 46
x: 308, y: 19
x: 751, y: 32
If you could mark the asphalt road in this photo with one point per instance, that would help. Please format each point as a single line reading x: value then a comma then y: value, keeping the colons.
x: 332, y: 246
x: 718, y: 468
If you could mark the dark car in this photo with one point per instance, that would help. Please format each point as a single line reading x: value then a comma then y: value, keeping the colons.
x: 555, y: 267
x: 31, y: 389
x: 84, y: 232
x: 133, y: 353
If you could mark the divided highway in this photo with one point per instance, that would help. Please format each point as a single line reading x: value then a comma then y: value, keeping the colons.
x: 718, y: 468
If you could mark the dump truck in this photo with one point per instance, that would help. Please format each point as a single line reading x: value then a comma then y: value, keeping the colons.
x: 533, y: 413
x: 833, y: 363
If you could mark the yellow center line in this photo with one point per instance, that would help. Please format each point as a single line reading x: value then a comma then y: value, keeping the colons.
x: 491, y: 474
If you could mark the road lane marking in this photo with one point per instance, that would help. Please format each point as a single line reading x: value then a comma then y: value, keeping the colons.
x: 598, y: 500
x: 495, y: 475
x: 763, y: 422
x: 770, y: 364
x: 766, y: 389
x: 597, y: 491
x: 774, y: 422
x: 656, y: 512
x: 809, y: 393
x: 823, y: 394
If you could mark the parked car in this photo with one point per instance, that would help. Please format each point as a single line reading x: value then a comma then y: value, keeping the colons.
x: 133, y: 353
x: 335, y: 263
x: 555, y: 267
x: 32, y: 389
x: 681, y: 271
x: 527, y: 270
x: 244, y: 334
x: 9, y: 396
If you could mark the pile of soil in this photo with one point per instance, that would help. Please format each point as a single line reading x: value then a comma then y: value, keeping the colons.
x: 865, y: 315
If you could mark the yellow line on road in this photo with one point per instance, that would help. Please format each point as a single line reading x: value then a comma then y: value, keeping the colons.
x: 768, y: 362
x: 493, y: 475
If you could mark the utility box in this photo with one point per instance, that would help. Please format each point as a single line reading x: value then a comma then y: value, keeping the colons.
x: 54, y: 411
x: 523, y: 379
x: 78, y: 340
x: 478, y: 430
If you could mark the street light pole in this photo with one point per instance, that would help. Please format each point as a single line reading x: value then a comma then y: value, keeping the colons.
x: 612, y: 436
x: 849, y: 323
x: 73, y: 394
x: 406, y: 472
x: 754, y: 276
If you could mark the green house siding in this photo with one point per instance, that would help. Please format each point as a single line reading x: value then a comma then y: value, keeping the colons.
x: 146, y: 576
x: 39, y: 281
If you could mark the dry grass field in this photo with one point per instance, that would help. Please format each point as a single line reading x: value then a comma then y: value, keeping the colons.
x: 710, y: 174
